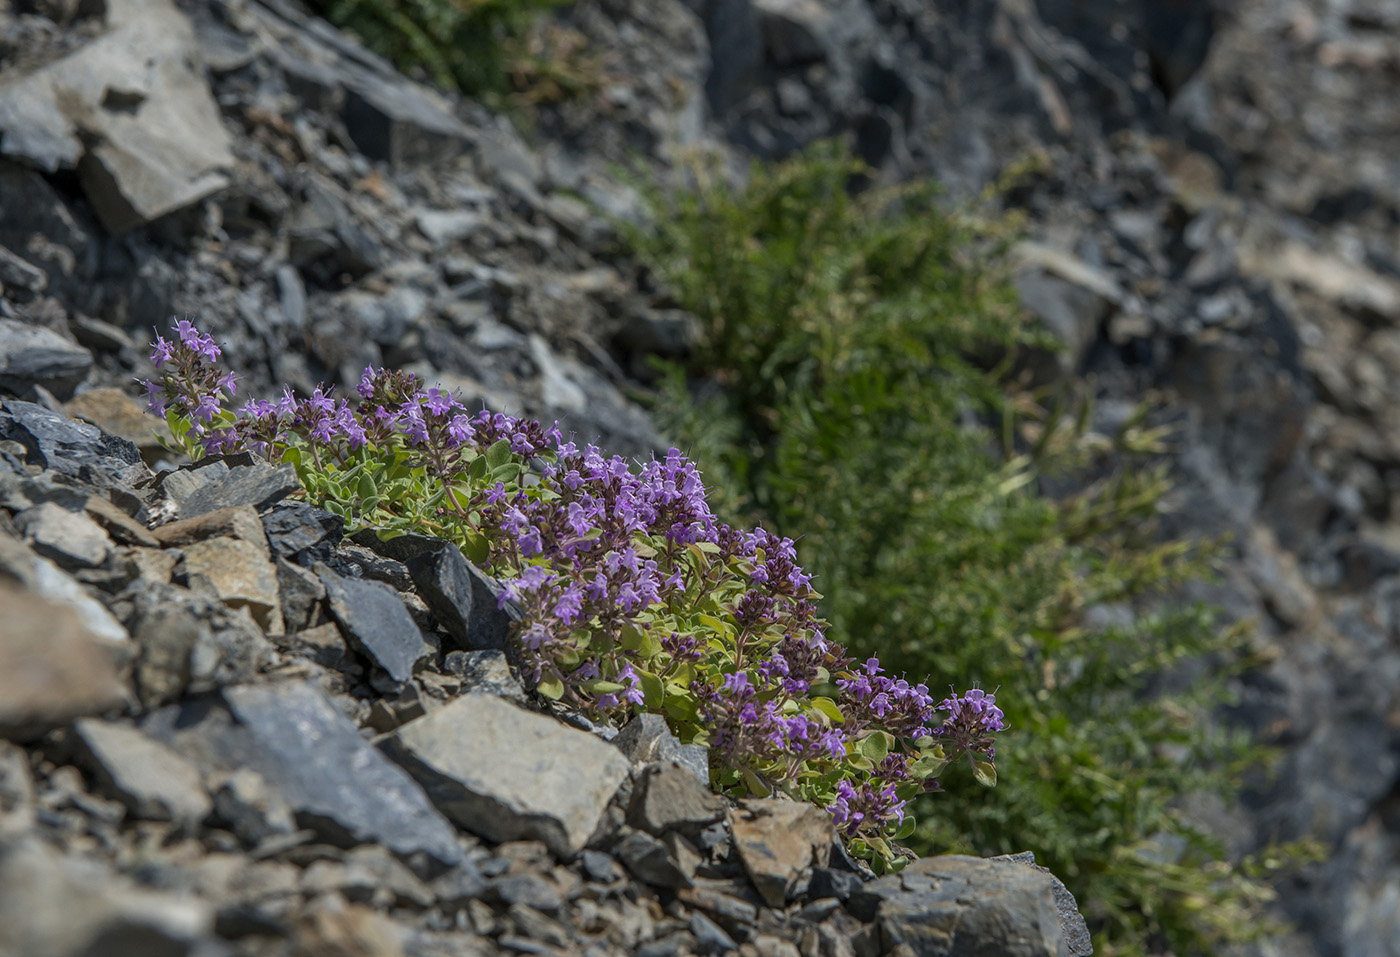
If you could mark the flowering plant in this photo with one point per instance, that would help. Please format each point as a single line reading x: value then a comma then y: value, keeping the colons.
x: 634, y: 597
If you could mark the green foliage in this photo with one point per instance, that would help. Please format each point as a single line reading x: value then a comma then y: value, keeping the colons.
x: 854, y: 391
x: 480, y: 47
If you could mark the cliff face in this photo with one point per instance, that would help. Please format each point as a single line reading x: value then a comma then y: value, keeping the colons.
x: 1216, y: 218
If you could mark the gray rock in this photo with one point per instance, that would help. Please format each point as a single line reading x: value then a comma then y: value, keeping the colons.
x: 401, y: 122
x: 20, y: 275
x: 669, y: 863
x: 710, y: 938
x: 444, y: 226
x: 1072, y: 926
x: 52, y: 667
x: 460, y: 595
x: 667, y: 797
x: 35, y: 356
x: 302, y: 533
x: 251, y: 809
x: 301, y: 594
x: 166, y: 634
x: 557, y: 390
x: 69, y: 538
x: 336, y: 783
x: 505, y: 773
x: 68, y: 907
x: 779, y: 843
x: 257, y: 484
x: 291, y: 295
x: 152, y: 781
x: 143, y: 133
x: 325, y: 238
x: 375, y: 621
x: 486, y: 672
x: 647, y: 739
x: 72, y: 448
x: 45, y: 580
x: 941, y: 906
x: 16, y: 791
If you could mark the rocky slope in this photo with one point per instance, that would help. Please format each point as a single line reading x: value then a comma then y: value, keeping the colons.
x: 1216, y: 220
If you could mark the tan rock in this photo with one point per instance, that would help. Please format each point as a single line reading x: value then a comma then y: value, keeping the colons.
x: 778, y: 841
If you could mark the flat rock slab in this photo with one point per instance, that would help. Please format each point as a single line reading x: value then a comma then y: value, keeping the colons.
x: 509, y: 774
x: 72, y: 448
x: 302, y: 533
x: 376, y: 622
x: 310, y: 754
x: 35, y: 356
x: 779, y: 841
x: 69, y: 538
x: 259, y: 485
x: 52, y: 667
x: 152, y: 781
x: 130, y: 111
x: 947, y: 906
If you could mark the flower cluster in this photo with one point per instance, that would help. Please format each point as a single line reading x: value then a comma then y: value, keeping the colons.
x: 633, y: 595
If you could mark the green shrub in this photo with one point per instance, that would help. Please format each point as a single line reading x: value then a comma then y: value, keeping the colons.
x: 479, y: 47
x: 854, y: 391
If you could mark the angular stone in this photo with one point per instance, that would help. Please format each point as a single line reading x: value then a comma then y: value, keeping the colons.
x: 463, y: 598
x: 258, y: 485
x: 144, y: 133
x: 45, y: 580
x: 167, y: 634
x: 76, y: 907
x: 1072, y: 925
x: 301, y: 594
x: 950, y: 905
x: 250, y: 808
x: 302, y: 533
x: 670, y: 863
x: 506, y: 774
x: 241, y: 523
x: 485, y: 672
x: 242, y: 576
x: 35, y: 356
x: 376, y: 622
x: 113, y: 411
x: 16, y: 790
x: 118, y: 524
x: 443, y: 226
x: 152, y: 781
x: 335, y: 782
x: 780, y: 841
x: 52, y: 667
x: 667, y: 797
x: 19, y: 274
x: 647, y: 739
x: 401, y: 122
x: 710, y: 938
x: 69, y: 538
x: 71, y: 448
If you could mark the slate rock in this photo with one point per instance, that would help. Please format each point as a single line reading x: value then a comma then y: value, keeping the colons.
x: 35, y: 356
x: 45, y: 580
x: 942, y: 906
x: 16, y: 790
x: 144, y: 134
x: 64, y: 906
x: 401, y: 122
x: 69, y: 538
x: 667, y: 797
x: 167, y: 634
x: 779, y: 843
x: 336, y: 783
x: 505, y: 773
x: 464, y: 599
x: 1072, y: 925
x: 653, y: 862
x: 302, y: 533
x: 301, y: 593
x: 486, y: 672
x: 242, y: 576
x: 71, y: 448
x: 116, y: 412
x: 119, y: 525
x: 325, y: 239
x: 52, y: 667
x: 152, y: 781
x: 250, y: 808
x: 257, y: 484
x: 647, y: 739
x: 376, y: 622
x: 20, y: 275
x: 239, y: 522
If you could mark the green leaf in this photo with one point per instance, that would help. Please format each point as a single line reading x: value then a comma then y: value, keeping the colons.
x: 875, y: 746
x: 602, y: 686
x: 508, y: 472
x: 653, y: 691
x: 551, y: 687
x: 755, y: 784
x: 475, y: 547
x: 476, y: 472
x: 681, y: 707
x: 367, y: 488
x: 908, y: 827
x: 985, y: 773
x: 829, y: 708
x: 498, y: 454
